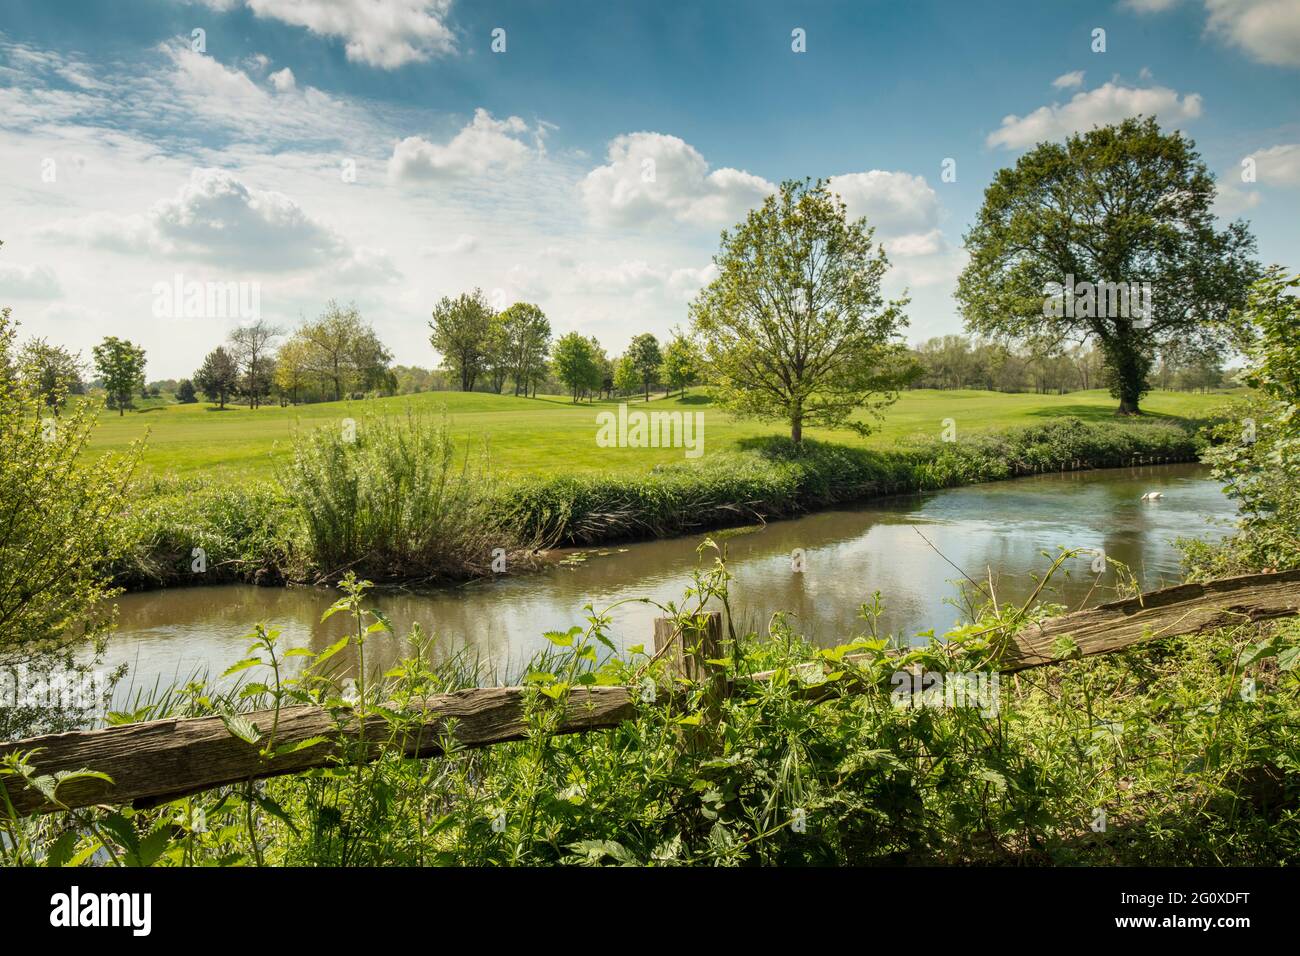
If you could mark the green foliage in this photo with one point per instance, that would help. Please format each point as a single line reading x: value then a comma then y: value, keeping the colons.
x: 681, y: 363
x: 825, y: 763
x: 462, y: 332
x: 1117, y: 204
x: 1256, y: 448
x: 576, y: 363
x: 121, y: 368
x: 643, y: 352
x: 218, y: 376
x: 387, y: 498
x: 57, y: 509
x: 795, y: 328
x: 779, y: 478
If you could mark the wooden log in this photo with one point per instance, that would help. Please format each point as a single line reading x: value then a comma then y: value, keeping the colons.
x: 161, y: 760
x: 1176, y: 611
x: 1181, y: 610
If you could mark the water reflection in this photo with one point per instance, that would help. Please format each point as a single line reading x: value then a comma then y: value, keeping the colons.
x: 998, y: 529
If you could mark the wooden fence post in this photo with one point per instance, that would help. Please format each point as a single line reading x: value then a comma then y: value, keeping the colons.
x: 690, y: 656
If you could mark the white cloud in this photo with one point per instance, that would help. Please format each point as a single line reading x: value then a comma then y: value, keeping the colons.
x: 1069, y: 81
x: 1278, y: 165
x: 28, y: 282
x: 386, y: 34
x: 1148, y: 6
x: 459, y: 246
x: 1268, y: 30
x: 652, y: 177
x: 217, y: 218
x: 896, y: 203
x: 1106, y: 104
x: 282, y: 80
x: 484, y: 146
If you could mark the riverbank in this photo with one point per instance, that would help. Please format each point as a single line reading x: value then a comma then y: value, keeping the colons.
x: 189, y: 531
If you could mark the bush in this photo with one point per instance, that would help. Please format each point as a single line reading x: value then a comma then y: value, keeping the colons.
x: 387, y: 498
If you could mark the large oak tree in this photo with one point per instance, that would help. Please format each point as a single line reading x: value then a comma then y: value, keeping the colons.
x: 1118, y: 204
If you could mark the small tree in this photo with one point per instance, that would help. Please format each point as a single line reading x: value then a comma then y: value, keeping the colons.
x: 627, y: 377
x: 121, y: 368
x: 575, y: 363
x: 528, y: 334
x: 250, y: 346
x: 59, y: 508
x: 461, y: 330
x: 645, y: 355
x: 218, y: 378
x: 50, y: 372
x: 681, y: 363
x: 795, y: 328
x: 185, y: 392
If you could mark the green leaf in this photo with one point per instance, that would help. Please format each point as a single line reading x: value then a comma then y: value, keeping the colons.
x: 241, y: 727
x: 243, y: 665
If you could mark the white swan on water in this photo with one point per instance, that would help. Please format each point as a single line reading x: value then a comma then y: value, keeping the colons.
x: 1152, y: 495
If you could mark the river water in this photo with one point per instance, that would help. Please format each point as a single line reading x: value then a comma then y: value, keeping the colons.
x: 909, y: 548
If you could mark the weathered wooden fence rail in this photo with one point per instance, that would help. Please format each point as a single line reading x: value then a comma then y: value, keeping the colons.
x: 161, y: 760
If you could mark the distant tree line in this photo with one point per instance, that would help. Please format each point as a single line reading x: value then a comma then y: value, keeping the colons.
x: 959, y: 361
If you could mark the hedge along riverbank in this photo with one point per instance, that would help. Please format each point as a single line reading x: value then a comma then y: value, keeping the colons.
x: 182, y: 532
x: 778, y: 480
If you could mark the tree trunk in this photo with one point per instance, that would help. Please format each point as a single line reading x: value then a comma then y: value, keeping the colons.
x: 796, y: 429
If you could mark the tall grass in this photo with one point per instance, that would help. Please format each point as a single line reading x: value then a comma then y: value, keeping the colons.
x: 391, y: 499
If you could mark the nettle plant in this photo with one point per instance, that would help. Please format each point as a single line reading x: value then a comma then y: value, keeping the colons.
x: 806, y: 755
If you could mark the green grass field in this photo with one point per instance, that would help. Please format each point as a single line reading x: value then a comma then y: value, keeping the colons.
x: 550, y: 434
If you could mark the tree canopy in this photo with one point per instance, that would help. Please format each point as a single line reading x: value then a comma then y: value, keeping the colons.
x: 1075, y: 235
x: 795, y: 327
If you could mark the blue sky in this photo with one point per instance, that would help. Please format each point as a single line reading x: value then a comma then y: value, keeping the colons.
x: 131, y: 158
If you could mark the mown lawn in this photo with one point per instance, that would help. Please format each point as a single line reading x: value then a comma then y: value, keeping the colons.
x: 550, y: 434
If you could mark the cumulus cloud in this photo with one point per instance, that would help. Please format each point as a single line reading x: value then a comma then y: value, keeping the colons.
x: 217, y: 218
x: 386, y: 35
x: 1069, y: 81
x: 1267, y: 30
x: 28, y: 282
x: 1278, y: 165
x: 282, y: 80
x: 897, y: 204
x: 651, y: 177
x: 1106, y: 104
x: 485, y: 146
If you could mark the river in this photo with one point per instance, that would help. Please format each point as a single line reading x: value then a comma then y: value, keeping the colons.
x: 909, y: 548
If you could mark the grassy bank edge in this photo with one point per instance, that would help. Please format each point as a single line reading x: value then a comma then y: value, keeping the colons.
x: 208, y: 531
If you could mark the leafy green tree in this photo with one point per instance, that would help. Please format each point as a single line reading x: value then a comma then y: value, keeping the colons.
x: 645, y: 355
x: 795, y: 328
x: 50, y: 372
x: 627, y: 377
x: 528, y: 334
x: 1111, y: 210
x: 680, y: 363
x: 575, y: 363
x: 218, y: 377
x: 58, y: 507
x: 121, y: 368
x: 251, y: 347
x: 185, y: 392
x: 461, y: 334
x: 342, y: 351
